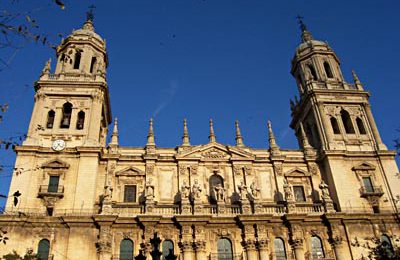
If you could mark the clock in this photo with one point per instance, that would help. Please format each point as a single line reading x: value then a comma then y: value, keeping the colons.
x: 58, y: 145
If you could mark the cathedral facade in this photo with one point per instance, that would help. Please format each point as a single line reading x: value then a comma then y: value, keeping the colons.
x: 84, y: 198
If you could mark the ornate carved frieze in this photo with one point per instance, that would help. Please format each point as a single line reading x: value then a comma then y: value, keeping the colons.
x: 214, y: 153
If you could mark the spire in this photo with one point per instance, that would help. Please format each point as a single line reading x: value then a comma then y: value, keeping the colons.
x: 185, y: 137
x: 211, y: 137
x: 356, y: 80
x: 47, y: 67
x: 271, y: 137
x: 150, y: 136
x: 239, y: 138
x: 305, y: 34
x: 114, y: 135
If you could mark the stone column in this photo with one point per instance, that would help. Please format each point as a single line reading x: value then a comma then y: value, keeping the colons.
x: 374, y: 129
x: 298, y: 249
x: 326, y: 124
x: 187, y: 250
x: 104, y: 243
x: 263, y: 249
x: 250, y: 247
x: 200, y: 247
x: 341, y: 250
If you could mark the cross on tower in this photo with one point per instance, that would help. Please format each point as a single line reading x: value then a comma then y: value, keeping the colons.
x: 90, y: 13
x: 301, y: 23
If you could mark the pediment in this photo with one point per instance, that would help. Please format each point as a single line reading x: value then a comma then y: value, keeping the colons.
x: 364, y: 167
x: 130, y: 171
x: 55, y: 164
x: 297, y: 172
x: 215, y: 152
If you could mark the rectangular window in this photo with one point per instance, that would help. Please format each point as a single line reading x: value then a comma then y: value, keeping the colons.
x: 368, y: 184
x: 299, y: 193
x: 53, y: 184
x: 130, y: 193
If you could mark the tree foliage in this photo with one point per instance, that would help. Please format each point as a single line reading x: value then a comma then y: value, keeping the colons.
x: 384, y: 251
x: 29, y: 255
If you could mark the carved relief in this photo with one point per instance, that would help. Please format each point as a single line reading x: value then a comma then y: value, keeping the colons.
x: 104, y: 241
x: 214, y: 153
x: 149, y: 169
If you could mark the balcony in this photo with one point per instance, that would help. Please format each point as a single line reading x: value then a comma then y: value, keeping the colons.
x: 371, y: 191
x: 51, y: 191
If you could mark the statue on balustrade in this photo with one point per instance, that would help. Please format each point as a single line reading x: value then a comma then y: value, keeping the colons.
x: 325, y: 191
x: 149, y: 190
x: 219, y: 192
x: 243, y: 191
x: 255, y: 190
x: 196, y: 190
x: 288, y: 191
x: 185, y: 190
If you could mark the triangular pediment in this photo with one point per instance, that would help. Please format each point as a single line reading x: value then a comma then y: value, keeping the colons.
x: 297, y: 172
x: 215, y: 152
x: 130, y: 171
x: 364, y: 167
x: 55, y: 164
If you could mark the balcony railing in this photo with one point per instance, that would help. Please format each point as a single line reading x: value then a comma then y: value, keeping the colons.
x: 371, y: 191
x: 51, y: 190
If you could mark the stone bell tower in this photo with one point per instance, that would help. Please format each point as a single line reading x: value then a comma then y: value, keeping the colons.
x: 72, y: 104
x: 334, y: 118
x: 334, y: 114
x: 57, y: 165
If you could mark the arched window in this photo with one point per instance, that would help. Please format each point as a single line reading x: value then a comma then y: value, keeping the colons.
x: 360, y: 126
x: 43, y: 249
x: 167, y: 250
x: 126, y: 249
x: 328, y: 70
x: 93, y: 64
x: 66, y: 117
x: 317, y: 251
x: 387, y: 245
x: 224, y: 249
x: 279, y: 248
x: 335, y: 126
x: 77, y: 60
x: 348, y: 125
x: 215, y: 180
x: 81, y: 120
x: 312, y: 71
x: 50, y: 119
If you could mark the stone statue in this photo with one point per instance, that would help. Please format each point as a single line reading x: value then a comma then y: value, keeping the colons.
x: 196, y: 189
x: 325, y: 191
x: 255, y: 190
x: 149, y: 190
x: 242, y: 190
x: 185, y: 190
x: 219, y: 192
x: 288, y: 191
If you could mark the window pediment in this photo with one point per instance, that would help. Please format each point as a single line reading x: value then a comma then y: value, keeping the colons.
x: 297, y: 172
x: 364, y: 167
x: 55, y: 164
x: 130, y: 171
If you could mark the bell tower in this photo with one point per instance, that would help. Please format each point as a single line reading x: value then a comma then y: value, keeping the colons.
x: 72, y: 105
x: 334, y: 114
x: 335, y: 118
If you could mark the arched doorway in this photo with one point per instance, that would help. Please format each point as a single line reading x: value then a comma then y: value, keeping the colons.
x: 43, y: 249
x: 126, y: 250
x: 224, y: 249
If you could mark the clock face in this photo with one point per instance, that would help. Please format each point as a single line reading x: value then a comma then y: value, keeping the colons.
x: 58, y: 145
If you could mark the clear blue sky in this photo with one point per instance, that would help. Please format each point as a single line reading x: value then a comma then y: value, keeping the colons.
x: 204, y: 59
